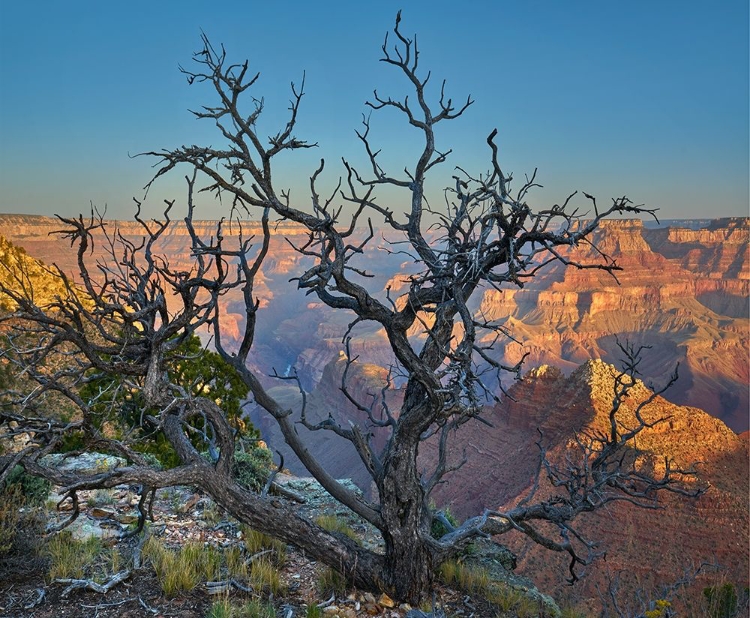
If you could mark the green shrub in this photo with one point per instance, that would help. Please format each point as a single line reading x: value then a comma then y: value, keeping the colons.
x: 252, y: 467
x: 120, y: 407
x: 438, y: 528
x: 721, y: 600
x: 34, y: 489
x: 72, y: 441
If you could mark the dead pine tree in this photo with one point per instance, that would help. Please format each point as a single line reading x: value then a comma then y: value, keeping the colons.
x: 117, y: 322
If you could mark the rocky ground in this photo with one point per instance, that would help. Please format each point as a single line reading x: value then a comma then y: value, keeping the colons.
x: 182, y: 516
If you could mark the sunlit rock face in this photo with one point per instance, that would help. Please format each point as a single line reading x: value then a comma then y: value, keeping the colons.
x: 683, y: 290
x: 653, y: 547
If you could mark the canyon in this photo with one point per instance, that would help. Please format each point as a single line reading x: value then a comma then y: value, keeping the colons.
x: 683, y: 292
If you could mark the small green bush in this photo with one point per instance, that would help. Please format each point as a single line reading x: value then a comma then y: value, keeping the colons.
x: 252, y: 467
x: 34, y: 489
x: 72, y: 441
x: 438, y: 529
x: 721, y: 600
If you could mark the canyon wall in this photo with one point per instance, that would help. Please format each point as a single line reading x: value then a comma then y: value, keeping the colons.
x: 645, y: 548
x: 683, y: 290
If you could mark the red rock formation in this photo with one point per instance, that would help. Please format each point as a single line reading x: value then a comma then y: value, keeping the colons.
x: 653, y: 547
x: 684, y: 291
x: 667, y: 297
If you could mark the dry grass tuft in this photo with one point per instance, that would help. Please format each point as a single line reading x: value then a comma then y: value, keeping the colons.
x: 265, y: 577
x: 256, y: 542
x: 330, y: 581
x: 333, y: 523
x: 70, y: 558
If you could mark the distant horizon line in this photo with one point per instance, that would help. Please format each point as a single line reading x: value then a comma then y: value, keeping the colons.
x: 281, y: 221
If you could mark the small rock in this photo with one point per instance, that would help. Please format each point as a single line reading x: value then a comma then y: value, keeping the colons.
x: 331, y: 610
x: 369, y: 598
x: 192, y: 501
x: 127, y: 519
x: 85, y: 463
x: 386, y: 601
x: 101, y: 513
x: 84, y: 528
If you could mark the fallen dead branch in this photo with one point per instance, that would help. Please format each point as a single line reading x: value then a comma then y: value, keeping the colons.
x: 90, y: 584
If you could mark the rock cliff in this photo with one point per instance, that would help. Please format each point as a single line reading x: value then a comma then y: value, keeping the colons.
x: 650, y: 547
x: 683, y: 290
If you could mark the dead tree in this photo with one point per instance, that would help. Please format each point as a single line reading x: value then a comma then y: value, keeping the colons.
x: 486, y: 234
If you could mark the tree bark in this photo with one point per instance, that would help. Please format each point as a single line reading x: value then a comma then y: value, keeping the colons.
x: 363, y: 568
x: 409, y: 560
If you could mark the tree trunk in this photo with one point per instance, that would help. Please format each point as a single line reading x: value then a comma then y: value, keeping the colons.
x: 409, y: 563
x: 410, y: 569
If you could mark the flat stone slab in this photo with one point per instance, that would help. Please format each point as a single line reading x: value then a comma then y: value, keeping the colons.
x: 86, y: 463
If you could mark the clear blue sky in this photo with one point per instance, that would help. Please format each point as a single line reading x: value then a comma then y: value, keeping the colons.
x: 643, y: 98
